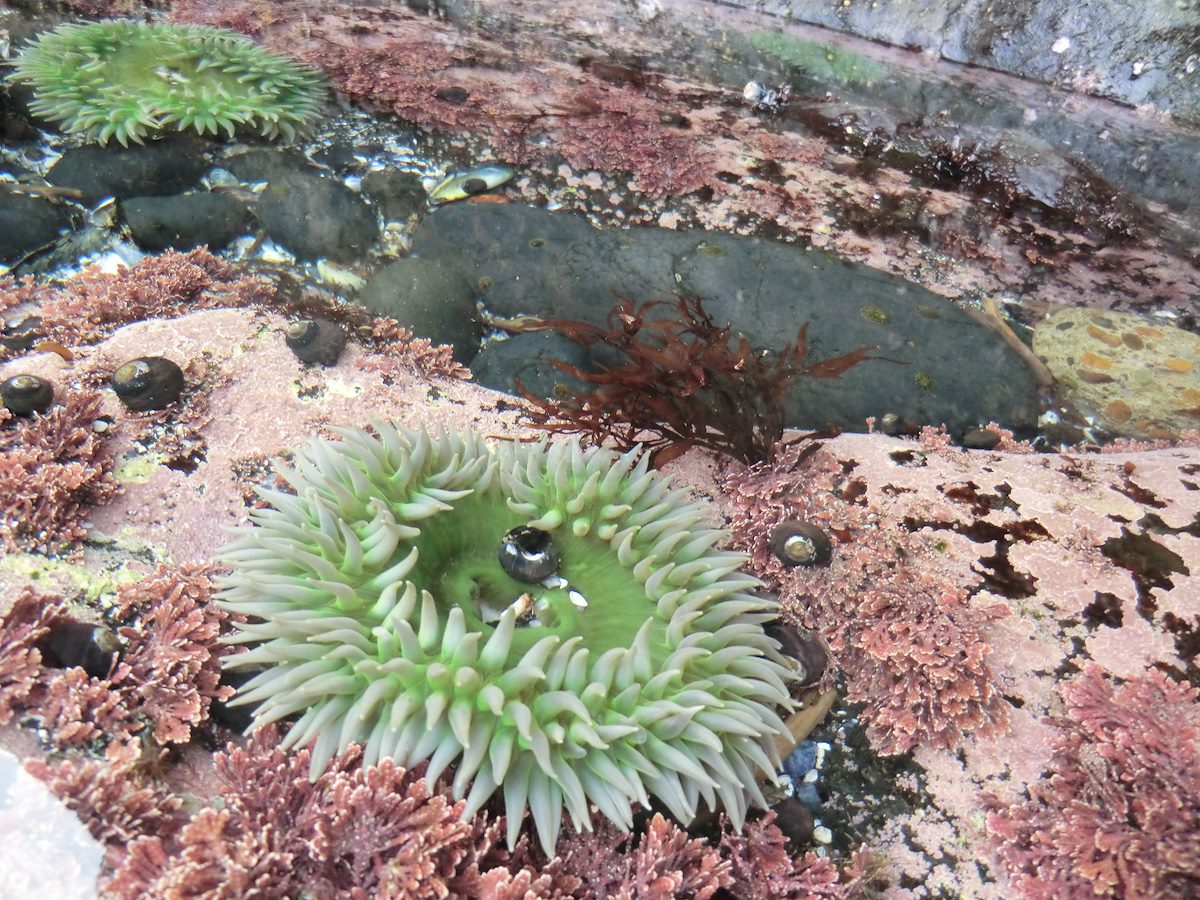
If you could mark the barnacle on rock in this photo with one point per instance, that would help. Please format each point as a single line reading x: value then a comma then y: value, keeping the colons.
x: 129, y: 79
x: 382, y: 615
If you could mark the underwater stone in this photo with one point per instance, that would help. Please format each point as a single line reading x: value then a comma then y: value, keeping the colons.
x: 980, y: 439
x: 28, y: 224
x: 1139, y: 377
x: 164, y: 167
x: 184, y: 222
x: 147, y: 383
x: 808, y: 794
x: 431, y: 299
x: 25, y: 395
x: 316, y: 217
x: 556, y: 265
x: 800, y: 761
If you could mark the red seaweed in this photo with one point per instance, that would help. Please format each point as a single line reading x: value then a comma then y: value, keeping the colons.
x: 684, y: 382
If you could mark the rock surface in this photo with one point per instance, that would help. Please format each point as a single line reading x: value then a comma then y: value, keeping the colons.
x: 1135, y: 53
x: 936, y: 364
x: 971, y: 514
x: 1139, y: 377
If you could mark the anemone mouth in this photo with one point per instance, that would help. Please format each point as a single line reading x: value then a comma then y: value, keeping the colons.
x: 128, y: 80
x: 383, y: 614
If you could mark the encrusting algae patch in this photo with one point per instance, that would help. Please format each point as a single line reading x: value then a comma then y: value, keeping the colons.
x: 1139, y: 378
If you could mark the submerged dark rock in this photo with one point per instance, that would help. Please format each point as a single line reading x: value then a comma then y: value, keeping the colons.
x: 155, y: 169
x: 28, y: 224
x: 317, y: 217
x: 935, y: 364
x: 430, y: 297
x: 184, y: 222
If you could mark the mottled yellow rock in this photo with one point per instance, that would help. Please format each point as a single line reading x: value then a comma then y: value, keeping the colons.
x: 1138, y: 378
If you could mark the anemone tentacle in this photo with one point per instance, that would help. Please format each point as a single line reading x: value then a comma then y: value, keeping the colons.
x: 129, y: 80
x: 381, y: 612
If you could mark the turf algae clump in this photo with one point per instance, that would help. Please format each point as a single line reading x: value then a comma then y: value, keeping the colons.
x: 381, y: 613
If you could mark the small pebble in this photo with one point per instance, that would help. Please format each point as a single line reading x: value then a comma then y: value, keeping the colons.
x: 800, y: 760
x: 809, y: 796
x: 811, y: 776
x: 785, y: 784
x: 822, y: 835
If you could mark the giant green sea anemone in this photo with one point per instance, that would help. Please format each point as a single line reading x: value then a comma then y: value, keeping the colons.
x: 627, y: 659
x: 127, y: 79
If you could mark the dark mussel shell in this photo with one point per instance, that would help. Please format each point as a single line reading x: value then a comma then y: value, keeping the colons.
x: 802, y: 647
x: 528, y: 554
x: 316, y: 341
x: 25, y: 395
x: 148, y: 382
x: 800, y: 544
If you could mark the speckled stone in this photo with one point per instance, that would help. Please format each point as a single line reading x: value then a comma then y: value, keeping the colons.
x: 1139, y: 377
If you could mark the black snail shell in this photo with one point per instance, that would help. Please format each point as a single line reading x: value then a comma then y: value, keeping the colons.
x: 528, y: 554
x: 148, y: 382
x: 25, y: 395
x: 316, y: 341
x: 803, y: 648
x: 72, y: 643
x: 800, y: 544
x: 980, y: 439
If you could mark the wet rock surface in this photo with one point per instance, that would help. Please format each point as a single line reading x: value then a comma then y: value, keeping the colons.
x: 937, y: 363
x: 28, y: 224
x: 429, y: 297
x: 184, y: 222
x: 397, y: 194
x: 1135, y: 53
x: 156, y: 169
x: 315, y: 216
x: 1138, y: 377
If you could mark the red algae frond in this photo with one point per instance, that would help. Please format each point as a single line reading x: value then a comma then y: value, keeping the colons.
x: 54, y: 468
x: 1119, y: 813
x: 684, y: 382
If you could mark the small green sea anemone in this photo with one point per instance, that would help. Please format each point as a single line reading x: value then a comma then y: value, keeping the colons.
x: 626, y: 660
x: 127, y: 79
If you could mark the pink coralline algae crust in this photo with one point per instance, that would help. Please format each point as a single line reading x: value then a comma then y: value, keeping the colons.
x: 1119, y: 813
x: 967, y: 582
x: 179, y: 508
x: 54, y: 468
x: 159, y: 688
x: 380, y: 831
x: 117, y: 805
x: 910, y: 644
x: 91, y: 305
x: 393, y: 61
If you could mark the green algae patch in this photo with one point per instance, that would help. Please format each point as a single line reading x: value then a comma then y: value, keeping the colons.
x: 824, y: 63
